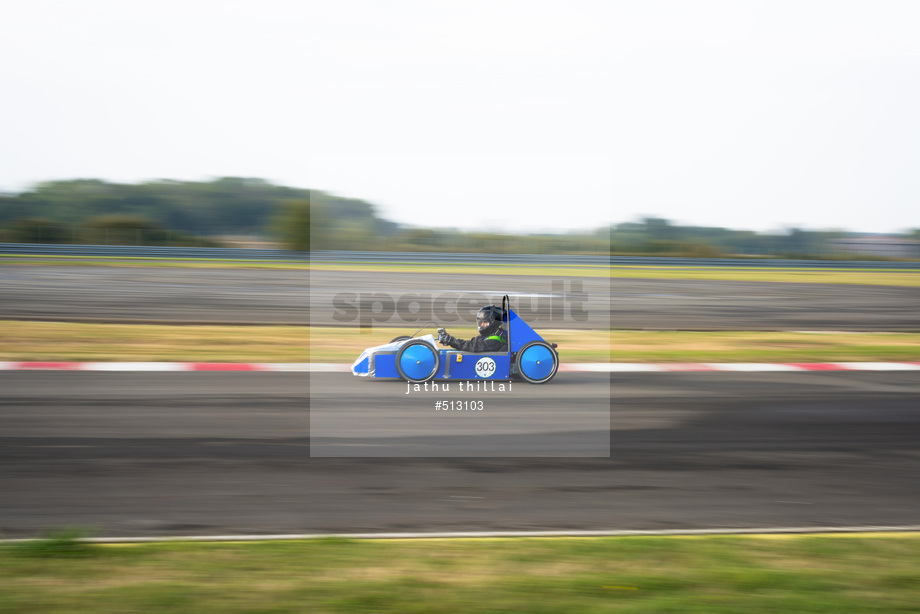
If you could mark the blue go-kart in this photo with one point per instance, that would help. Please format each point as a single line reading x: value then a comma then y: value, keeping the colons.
x: 418, y: 359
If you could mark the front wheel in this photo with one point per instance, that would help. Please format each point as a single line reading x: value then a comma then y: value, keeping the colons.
x: 537, y: 362
x: 417, y: 361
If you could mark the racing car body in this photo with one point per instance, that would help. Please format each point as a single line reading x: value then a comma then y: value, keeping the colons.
x: 418, y: 359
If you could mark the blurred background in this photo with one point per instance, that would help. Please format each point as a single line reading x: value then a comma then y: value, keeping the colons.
x: 253, y: 213
x: 663, y: 128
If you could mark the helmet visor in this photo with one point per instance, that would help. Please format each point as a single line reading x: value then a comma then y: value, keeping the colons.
x: 486, y: 317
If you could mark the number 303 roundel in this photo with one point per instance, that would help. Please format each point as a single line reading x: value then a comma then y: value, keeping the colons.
x: 485, y: 367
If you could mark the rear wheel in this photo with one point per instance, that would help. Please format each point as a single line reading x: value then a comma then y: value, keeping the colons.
x: 537, y: 362
x: 417, y: 361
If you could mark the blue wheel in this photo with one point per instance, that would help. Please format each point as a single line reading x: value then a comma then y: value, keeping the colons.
x: 537, y: 362
x: 417, y: 361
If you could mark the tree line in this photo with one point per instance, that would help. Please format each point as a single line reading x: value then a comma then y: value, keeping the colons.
x: 188, y: 213
x: 169, y: 212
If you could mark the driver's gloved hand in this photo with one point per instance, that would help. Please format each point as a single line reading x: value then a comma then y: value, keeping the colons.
x: 443, y: 337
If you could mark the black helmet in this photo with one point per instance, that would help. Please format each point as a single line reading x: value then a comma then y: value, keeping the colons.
x: 489, y: 319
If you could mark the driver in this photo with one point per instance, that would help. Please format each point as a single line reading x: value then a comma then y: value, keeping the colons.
x: 491, y: 334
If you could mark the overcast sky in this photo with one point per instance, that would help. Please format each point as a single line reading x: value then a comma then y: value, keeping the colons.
x: 506, y: 115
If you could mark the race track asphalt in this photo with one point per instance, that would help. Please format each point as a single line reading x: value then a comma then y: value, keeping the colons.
x: 264, y: 296
x: 135, y: 454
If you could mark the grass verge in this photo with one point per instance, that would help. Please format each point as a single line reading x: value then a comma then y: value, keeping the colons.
x: 23, y: 341
x: 876, y: 277
x: 864, y: 277
x: 865, y: 573
x: 815, y: 275
x: 112, y: 261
